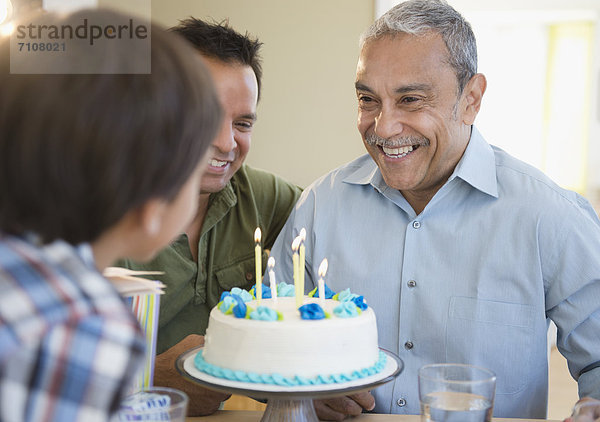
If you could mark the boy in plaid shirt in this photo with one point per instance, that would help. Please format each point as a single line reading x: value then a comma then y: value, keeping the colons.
x: 93, y: 167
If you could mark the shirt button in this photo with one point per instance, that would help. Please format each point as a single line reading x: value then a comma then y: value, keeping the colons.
x: 401, y: 402
x: 249, y: 276
x: 416, y: 224
x: 411, y: 283
x: 408, y: 345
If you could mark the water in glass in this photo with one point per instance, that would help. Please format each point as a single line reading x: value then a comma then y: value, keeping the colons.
x: 448, y: 406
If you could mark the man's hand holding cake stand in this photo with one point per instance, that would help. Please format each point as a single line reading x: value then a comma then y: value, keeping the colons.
x: 339, y: 408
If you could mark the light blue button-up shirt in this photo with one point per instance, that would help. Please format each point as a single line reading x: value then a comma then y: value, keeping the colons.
x: 473, y: 279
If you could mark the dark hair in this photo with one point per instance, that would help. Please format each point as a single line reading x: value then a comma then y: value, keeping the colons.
x: 78, y: 151
x: 219, y: 41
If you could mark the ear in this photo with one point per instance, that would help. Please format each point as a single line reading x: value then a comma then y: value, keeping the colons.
x: 150, y: 216
x: 472, y: 94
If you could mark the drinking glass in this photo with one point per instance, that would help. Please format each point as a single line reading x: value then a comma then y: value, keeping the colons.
x: 452, y: 392
x: 587, y: 411
x: 154, y: 404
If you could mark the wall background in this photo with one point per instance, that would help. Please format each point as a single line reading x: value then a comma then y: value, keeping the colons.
x: 307, y: 113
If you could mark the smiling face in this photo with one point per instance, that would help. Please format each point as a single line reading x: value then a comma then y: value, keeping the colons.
x: 237, y: 90
x: 412, y: 121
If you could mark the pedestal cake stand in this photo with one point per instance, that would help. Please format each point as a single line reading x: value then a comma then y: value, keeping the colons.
x: 288, y: 404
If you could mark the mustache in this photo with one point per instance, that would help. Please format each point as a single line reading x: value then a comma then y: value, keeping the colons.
x: 374, y: 139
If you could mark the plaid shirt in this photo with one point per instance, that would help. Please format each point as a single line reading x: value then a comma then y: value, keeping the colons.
x: 69, y: 347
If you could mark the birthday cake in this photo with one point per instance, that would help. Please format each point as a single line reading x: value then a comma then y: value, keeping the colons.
x: 322, y: 341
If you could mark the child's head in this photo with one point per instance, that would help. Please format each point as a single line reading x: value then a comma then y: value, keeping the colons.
x: 78, y: 152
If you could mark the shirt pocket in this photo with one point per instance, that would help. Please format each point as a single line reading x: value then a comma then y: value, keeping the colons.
x: 240, y: 274
x: 495, y: 335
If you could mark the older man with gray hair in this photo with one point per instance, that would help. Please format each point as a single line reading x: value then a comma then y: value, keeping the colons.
x: 464, y: 252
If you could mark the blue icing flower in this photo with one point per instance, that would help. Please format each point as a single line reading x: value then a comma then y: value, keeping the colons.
x: 345, y: 296
x: 346, y: 310
x: 224, y: 295
x: 227, y: 303
x: 311, y: 311
x: 264, y: 313
x: 266, y: 291
x: 239, y: 310
x: 285, y: 290
x: 245, y: 295
x: 360, y: 303
x: 328, y: 292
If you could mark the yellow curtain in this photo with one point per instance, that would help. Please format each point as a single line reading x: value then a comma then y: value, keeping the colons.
x: 567, y: 104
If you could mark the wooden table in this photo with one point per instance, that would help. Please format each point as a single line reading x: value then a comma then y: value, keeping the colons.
x: 254, y: 416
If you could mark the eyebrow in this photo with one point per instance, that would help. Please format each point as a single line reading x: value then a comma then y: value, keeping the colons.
x: 249, y: 116
x: 361, y: 87
x: 401, y: 90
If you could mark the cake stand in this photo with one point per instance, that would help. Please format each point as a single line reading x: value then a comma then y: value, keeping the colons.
x: 287, y: 404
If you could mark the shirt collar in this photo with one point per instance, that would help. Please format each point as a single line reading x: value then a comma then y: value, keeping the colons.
x: 365, y: 172
x: 226, y: 196
x: 219, y: 204
x: 84, y: 250
x: 477, y: 167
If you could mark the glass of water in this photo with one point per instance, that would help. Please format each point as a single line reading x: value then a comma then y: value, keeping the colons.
x: 587, y: 411
x: 153, y: 404
x: 451, y: 392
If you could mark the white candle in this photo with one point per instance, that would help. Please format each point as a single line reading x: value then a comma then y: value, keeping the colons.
x: 295, y: 263
x: 321, y: 282
x: 302, y: 260
x: 258, y: 261
x: 271, y: 266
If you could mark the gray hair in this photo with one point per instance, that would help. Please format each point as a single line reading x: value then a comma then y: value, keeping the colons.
x: 418, y: 17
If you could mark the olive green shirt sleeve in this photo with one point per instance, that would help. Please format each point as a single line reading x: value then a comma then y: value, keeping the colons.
x: 253, y: 198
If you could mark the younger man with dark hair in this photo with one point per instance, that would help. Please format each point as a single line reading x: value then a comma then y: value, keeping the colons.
x: 216, y: 252
x: 93, y: 167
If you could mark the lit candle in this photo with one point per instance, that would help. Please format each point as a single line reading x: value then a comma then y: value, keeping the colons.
x: 321, y: 283
x: 271, y: 265
x: 302, y: 263
x: 258, y: 261
x: 295, y: 264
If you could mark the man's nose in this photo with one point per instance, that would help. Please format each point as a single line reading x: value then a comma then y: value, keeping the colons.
x: 225, y: 140
x: 388, y: 123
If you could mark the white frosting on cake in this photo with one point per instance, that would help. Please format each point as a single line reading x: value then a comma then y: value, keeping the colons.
x: 292, y: 346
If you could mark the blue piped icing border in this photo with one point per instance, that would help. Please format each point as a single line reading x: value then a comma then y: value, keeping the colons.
x: 294, y: 381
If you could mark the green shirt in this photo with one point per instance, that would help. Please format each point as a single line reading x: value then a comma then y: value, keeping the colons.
x: 253, y: 198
